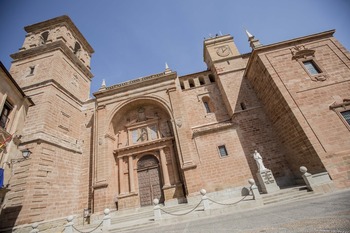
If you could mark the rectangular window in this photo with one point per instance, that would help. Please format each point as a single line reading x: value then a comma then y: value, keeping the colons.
x: 135, y: 136
x: 311, y: 67
x: 4, y: 117
x: 153, y: 132
x: 346, y: 115
x: 223, y: 151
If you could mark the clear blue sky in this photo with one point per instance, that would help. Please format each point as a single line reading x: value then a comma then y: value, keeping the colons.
x: 134, y: 38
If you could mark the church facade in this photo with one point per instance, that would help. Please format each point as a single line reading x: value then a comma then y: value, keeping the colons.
x: 167, y: 136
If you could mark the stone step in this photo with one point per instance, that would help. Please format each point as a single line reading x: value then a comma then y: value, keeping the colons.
x: 285, y: 195
x: 149, y: 214
x: 131, y: 226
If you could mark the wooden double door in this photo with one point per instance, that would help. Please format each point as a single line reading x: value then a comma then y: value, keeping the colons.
x: 150, y: 185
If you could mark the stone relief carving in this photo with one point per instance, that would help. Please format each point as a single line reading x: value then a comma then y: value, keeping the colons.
x: 300, y: 51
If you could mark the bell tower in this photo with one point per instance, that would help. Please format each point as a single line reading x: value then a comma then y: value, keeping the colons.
x: 54, y: 51
x: 53, y: 69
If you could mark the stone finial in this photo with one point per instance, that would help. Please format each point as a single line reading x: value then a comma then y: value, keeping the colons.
x: 167, y: 69
x: 203, y: 192
x: 35, y: 228
x: 248, y: 34
x: 251, y: 181
x: 155, y: 201
x: 103, y: 85
x: 254, y: 43
x: 106, y: 211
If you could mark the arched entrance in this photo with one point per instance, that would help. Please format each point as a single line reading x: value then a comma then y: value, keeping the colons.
x: 150, y: 186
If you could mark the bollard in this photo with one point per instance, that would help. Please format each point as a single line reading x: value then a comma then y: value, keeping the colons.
x: 254, y: 190
x: 307, y: 177
x: 35, y: 228
x: 106, y: 220
x: 205, y: 199
x: 156, y: 210
x: 68, y: 228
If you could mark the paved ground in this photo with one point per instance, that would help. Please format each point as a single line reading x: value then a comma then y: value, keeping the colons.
x: 326, y: 213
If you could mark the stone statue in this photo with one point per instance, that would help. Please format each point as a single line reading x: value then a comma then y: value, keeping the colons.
x: 259, y: 161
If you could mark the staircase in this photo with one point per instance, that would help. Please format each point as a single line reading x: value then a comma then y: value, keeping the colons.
x: 127, y: 220
x: 287, y: 195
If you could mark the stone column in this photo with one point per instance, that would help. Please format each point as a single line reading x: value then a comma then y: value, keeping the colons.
x: 164, y: 167
x: 121, y: 176
x: 131, y: 175
x: 173, y: 161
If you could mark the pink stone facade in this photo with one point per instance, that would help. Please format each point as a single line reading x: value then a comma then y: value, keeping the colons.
x: 165, y: 136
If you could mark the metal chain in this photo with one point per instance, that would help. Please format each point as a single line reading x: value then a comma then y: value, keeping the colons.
x: 87, y: 231
x: 228, y: 203
x: 183, y: 213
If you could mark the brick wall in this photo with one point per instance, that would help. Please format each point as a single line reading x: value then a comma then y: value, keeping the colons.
x: 299, y: 105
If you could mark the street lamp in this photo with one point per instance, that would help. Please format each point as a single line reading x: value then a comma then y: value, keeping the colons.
x: 26, y: 153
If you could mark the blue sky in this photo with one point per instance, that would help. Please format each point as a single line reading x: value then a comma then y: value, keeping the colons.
x: 134, y: 38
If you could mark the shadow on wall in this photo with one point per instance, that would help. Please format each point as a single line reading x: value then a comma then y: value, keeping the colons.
x: 8, y: 217
x: 256, y: 132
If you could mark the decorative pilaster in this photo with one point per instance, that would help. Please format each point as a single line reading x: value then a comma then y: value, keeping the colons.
x: 121, y: 176
x: 131, y: 175
x: 164, y: 168
x: 173, y: 161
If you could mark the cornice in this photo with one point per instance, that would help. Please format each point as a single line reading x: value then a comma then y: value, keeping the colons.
x: 135, y: 83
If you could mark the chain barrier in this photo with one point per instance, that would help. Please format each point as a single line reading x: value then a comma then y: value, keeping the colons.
x: 87, y: 231
x: 227, y: 203
x: 201, y: 202
x: 182, y: 213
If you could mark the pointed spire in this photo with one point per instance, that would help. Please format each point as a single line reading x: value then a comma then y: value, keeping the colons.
x: 248, y: 34
x: 254, y: 43
x: 167, y: 69
x: 103, y: 85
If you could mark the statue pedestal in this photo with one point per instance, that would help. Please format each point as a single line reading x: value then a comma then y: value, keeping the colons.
x: 267, y: 181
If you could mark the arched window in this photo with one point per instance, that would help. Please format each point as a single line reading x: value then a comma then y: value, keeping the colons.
x: 77, y: 48
x: 182, y: 85
x: 208, y: 105
x: 211, y: 78
x: 44, y: 36
x: 191, y: 83
x: 201, y: 80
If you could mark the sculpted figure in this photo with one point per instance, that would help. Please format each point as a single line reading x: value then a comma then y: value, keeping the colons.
x: 259, y: 161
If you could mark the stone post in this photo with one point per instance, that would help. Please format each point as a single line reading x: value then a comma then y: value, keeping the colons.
x: 68, y: 228
x: 106, y: 220
x: 156, y: 210
x: 35, y: 228
x: 205, y: 199
x: 254, y: 190
x: 319, y: 183
x: 306, y: 177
